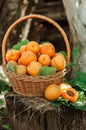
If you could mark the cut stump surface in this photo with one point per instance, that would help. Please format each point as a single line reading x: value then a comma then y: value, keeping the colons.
x: 36, y: 113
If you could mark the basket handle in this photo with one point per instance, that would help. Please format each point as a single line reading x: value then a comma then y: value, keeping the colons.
x: 39, y: 17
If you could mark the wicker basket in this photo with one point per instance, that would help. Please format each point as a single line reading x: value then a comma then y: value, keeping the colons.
x: 33, y: 85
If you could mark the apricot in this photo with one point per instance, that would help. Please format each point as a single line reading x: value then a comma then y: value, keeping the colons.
x: 47, y: 48
x: 33, y: 46
x: 58, y: 61
x: 38, y: 54
x: 64, y: 86
x: 33, y: 68
x: 52, y: 92
x: 27, y: 57
x: 70, y: 94
x: 19, y: 61
x: 21, y: 69
x: 22, y: 49
x: 12, y: 55
x: 44, y: 59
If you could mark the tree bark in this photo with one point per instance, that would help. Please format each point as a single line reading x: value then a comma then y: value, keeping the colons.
x: 33, y: 113
x: 75, y: 11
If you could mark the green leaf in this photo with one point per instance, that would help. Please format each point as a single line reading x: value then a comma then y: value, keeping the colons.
x: 64, y: 53
x: 80, y: 102
x: 56, y: 103
x: 71, y: 64
x: 43, y: 42
x: 81, y: 96
x: 4, y: 86
x: 79, y: 106
x: 81, y: 76
x: 1, y: 102
x: 79, y: 85
x: 6, y: 127
x: 60, y: 101
x: 11, y: 67
x: 19, y: 44
x: 47, y: 70
x: 4, y: 112
x: 64, y: 102
x: 76, y: 51
x: 79, y: 81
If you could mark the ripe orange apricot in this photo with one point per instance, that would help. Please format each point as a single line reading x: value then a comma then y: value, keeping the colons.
x: 38, y: 54
x: 21, y: 69
x: 58, y: 61
x: 27, y: 57
x: 12, y: 55
x: 19, y: 61
x: 47, y: 48
x: 22, y: 49
x: 52, y: 92
x: 33, y: 68
x: 70, y: 94
x: 44, y: 59
x: 33, y: 46
x: 64, y: 86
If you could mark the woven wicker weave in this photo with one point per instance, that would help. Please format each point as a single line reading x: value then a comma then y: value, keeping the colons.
x: 33, y: 85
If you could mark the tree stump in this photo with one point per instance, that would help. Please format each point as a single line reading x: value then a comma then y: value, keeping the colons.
x: 36, y: 113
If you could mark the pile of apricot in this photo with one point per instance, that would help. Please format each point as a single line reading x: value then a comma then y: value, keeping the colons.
x: 62, y: 90
x: 30, y: 58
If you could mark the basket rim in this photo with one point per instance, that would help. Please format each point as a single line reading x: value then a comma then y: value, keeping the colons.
x: 58, y: 74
